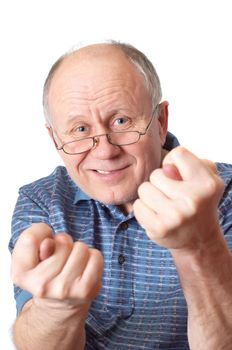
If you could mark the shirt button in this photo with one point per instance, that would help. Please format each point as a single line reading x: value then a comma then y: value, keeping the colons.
x: 121, y: 259
x: 124, y: 225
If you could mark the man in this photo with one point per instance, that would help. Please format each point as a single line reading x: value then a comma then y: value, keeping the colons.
x: 124, y: 247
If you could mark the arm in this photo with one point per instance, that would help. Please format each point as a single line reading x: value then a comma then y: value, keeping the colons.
x: 205, y: 277
x: 44, y: 324
x: 178, y: 209
x: 63, y: 278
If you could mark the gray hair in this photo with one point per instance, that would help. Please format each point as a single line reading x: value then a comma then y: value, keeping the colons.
x: 136, y: 57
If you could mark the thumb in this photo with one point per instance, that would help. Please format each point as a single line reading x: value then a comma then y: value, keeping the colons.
x: 26, y: 253
x: 172, y: 172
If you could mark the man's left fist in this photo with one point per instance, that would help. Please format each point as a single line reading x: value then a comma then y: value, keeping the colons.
x: 178, y: 206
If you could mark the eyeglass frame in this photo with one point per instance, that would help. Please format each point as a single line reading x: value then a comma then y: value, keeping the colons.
x: 96, y: 137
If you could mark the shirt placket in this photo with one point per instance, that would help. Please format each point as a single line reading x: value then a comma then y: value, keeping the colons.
x: 120, y: 292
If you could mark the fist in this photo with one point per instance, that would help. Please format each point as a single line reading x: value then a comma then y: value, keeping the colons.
x: 178, y: 206
x: 55, y: 267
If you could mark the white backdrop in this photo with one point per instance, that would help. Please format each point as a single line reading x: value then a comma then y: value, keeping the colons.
x: 189, y: 43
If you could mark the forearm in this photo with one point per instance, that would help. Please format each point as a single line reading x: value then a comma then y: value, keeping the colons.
x: 205, y: 277
x: 54, y: 328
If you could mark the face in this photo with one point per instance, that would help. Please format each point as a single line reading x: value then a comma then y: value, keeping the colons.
x: 96, y: 91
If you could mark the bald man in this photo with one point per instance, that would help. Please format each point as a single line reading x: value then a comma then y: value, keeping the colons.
x: 128, y: 245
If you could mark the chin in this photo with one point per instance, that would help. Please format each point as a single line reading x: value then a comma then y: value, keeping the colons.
x: 124, y: 202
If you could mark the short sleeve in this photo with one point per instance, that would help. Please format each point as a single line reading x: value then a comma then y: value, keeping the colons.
x: 225, y: 205
x: 26, y: 212
x: 225, y: 219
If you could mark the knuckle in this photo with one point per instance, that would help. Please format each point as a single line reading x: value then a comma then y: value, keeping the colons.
x: 89, y: 290
x: 178, y: 218
x: 161, y: 229
x: 211, y: 186
x: 84, y: 292
x: 64, y: 239
x: 214, y: 187
x: 27, y: 238
x: 40, y: 290
x: 98, y: 260
x: 180, y: 151
x: 62, y: 291
x: 193, y: 206
x: 82, y: 246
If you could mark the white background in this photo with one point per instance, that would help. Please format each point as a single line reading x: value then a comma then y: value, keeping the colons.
x: 189, y: 43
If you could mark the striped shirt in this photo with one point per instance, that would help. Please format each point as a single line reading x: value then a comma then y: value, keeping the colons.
x: 141, y: 304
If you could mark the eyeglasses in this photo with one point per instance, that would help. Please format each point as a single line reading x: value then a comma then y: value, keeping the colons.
x: 116, y: 138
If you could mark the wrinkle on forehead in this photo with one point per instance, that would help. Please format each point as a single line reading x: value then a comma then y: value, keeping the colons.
x: 95, y: 58
x: 91, y: 70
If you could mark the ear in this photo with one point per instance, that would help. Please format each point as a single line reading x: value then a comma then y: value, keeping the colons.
x: 49, y: 129
x: 51, y: 134
x: 163, y: 121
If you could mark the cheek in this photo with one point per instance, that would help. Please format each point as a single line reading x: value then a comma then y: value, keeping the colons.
x: 149, y: 157
x: 72, y: 162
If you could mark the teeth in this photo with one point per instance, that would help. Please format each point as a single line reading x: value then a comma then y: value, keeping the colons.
x: 103, y: 172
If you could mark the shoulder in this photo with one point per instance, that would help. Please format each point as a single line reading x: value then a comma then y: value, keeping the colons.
x: 49, y: 200
x: 57, y: 183
x: 224, y: 170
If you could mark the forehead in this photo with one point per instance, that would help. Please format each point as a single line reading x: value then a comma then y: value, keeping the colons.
x: 94, y: 65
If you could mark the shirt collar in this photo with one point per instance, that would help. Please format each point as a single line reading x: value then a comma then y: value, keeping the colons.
x: 80, y: 196
x: 170, y: 143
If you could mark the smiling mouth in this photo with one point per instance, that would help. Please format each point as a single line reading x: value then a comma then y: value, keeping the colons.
x: 109, y: 172
x: 104, y: 172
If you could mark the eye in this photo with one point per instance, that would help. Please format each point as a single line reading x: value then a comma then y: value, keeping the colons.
x: 122, y: 122
x: 81, y: 129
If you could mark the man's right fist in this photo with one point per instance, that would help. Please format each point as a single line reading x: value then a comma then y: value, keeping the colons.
x: 53, y: 266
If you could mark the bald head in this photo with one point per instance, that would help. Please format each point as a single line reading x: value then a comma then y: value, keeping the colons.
x: 112, y: 53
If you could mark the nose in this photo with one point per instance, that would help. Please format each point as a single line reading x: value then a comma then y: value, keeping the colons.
x: 103, y: 149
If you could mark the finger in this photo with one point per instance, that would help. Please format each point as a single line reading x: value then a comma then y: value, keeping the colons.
x: 72, y: 270
x: 76, y: 262
x: 153, y: 198
x: 36, y: 280
x: 188, y: 165
x: 210, y: 165
x: 26, y: 252
x: 159, y: 228
x: 147, y: 218
x: 47, y: 248
x: 172, y: 172
x: 90, y: 283
x: 172, y: 189
x: 200, y: 187
x: 54, y: 263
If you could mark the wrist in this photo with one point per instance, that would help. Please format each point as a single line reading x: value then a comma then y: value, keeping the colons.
x: 61, y: 309
x: 203, y: 256
x: 205, y: 272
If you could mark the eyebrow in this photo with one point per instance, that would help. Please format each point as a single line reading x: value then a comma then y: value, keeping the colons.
x: 73, y: 117
x: 110, y: 112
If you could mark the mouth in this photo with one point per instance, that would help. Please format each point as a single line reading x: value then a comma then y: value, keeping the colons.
x: 106, y: 172
x: 111, y: 174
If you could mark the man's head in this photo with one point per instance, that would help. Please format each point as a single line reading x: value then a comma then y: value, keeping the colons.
x: 97, y: 90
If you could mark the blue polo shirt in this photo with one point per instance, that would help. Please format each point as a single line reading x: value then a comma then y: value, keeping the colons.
x: 141, y: 304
